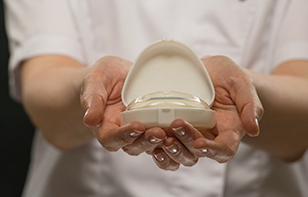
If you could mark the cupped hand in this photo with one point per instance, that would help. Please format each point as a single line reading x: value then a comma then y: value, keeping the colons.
x: 237, y: 112
x: 235, y: 92
x: 237, y: 107
x: 177, y: 149
x: 101, y: 99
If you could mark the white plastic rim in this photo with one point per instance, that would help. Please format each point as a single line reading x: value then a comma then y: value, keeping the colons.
x: 163, y: 117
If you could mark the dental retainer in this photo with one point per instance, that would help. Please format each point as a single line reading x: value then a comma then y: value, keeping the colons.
x: 166, y: 82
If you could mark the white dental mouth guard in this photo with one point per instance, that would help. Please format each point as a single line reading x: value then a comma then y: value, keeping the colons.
x: 166, y: 82
x: 171, y: 100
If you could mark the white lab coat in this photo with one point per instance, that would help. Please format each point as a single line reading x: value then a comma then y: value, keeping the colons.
x: 256, y: 34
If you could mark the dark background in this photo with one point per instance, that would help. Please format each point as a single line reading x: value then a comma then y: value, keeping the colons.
x: 16, y: 131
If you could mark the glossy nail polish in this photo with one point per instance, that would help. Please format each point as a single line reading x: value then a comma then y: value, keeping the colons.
x: 172, y: 149
x: 155, y: 140
x: 257, y: 123
x: 159, y: 157
x: 203, y: 150
x: 135, y: 133
x: 179, y: 131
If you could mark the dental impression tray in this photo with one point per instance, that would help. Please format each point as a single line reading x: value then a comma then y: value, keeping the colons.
x: 166, y: 82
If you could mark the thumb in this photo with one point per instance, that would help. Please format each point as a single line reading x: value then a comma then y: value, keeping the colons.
x: 250, y: 116
x: 249, y: 105
x: 94, y: 111
x: 93, y: 98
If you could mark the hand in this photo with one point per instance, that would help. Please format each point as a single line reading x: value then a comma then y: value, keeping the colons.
x: 238, y: 109
x: 178, y: 148
x: 101, y: 99
x: 235, y: 92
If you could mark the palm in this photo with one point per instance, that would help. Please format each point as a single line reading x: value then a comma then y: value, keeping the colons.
x: 227, y: 115
x: 235, y: 107
x: 228, y: 128
x: 112, y: 113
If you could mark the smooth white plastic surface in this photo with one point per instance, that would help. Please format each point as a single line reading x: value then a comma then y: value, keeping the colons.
x: 169, y: 73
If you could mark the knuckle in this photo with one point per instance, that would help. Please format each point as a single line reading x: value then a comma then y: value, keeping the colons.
x: 124, y: 139
x: 110, y: 148
x: 131, y: 151
x: 191, y: 162
x: 173, y: 167
x: 224, y: 160
x: 187, y: 139
x: 106, y: 144
x: 167, y: 164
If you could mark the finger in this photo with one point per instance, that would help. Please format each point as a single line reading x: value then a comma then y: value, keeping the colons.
x: 228, y: 75
x: 187, y: 134
x: 222, y: 149
x: 103, y: 82
x: 178, y: 152
x: 148, y: 141
x: 94, y: 111
x: 250, y: 109
x: 113, y: 137
x: 250, y: 116
x: 93, y: 99
x: 248, y: 104
x: 163, y: 161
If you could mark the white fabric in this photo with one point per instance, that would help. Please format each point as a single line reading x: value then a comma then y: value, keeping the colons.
x: 293, y: 42
x: 256, y: 34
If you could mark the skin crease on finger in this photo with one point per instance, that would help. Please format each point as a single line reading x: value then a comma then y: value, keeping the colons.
x: 149, y: 140
x: 225, y: 145
x: 163, y: 161
x: 179, y: 149
x: 177, y: 152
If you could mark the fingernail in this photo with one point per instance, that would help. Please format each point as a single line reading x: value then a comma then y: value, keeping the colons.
x: 203, y: 150
x: 87, y: 111
x: 155, y: 140
x: 135, y: 133
x: 85, y: 114
x: 180, y: 131
x: 257, y: 123
x: 159, y: 157
x: 172, y: 149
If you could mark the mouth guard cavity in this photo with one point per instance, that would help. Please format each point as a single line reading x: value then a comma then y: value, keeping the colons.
x: 171, y: 100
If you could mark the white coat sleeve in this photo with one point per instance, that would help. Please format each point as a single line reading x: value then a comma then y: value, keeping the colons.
x: 39, y: 27
x: 292, y: 41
